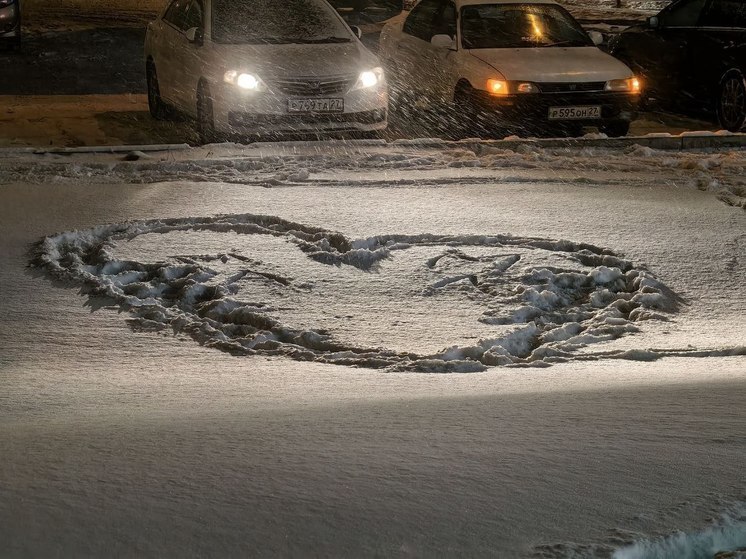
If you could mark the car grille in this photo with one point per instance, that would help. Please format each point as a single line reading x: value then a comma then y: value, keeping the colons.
x: 314, y: 87
x: 558, y: 87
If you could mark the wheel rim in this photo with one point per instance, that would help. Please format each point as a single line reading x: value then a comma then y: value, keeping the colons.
x: 733, y: 103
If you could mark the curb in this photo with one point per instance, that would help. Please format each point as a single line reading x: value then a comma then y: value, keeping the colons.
x: 96, y: 149
x: 685, y: 141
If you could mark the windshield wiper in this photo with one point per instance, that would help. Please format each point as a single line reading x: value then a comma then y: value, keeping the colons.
x: 297, y: 40
x: 567, y: 43
x: 326, y: 40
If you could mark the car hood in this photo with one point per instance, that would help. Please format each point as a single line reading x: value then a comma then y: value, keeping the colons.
x: 554, y: 64
x: 287, y: 61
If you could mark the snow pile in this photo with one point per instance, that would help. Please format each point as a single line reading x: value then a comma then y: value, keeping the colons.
x: 292, y: 163
x: 728, y: 533
x: 542, y: 300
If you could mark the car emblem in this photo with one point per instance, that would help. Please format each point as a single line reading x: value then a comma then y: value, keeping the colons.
x: 314, y: 85
x: 573, y: 87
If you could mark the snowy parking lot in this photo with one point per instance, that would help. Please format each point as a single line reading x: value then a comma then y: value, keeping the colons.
x: 341, y: 347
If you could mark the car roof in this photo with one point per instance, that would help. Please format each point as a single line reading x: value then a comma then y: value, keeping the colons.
x: 462, y: 3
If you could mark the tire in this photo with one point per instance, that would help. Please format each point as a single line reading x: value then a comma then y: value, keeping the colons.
x: 205, y: 116
x: 731, y: 102
x: 466, y: 112
x: 158, y: 109
x: 616, y: 129
x: 399, y: 101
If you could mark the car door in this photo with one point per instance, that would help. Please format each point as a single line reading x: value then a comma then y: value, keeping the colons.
x: 667, y: 51
x: 440, y: 62
x: 413, y: 48
x: 720, y: 47
x: 189, y: 56
x: 171, y: 39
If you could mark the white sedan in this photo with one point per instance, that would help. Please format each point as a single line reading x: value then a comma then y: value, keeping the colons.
x: 245, y: 67
x: 507, y: 65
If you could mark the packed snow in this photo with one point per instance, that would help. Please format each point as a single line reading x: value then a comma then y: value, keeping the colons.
x: 308, y: 293
x: 561, y: 296
x: 720, y: 171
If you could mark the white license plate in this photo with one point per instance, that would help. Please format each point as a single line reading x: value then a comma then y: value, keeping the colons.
x: 574, y: 113
x: 316, y: 105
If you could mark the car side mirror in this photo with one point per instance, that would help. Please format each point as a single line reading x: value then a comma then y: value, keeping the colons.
x: 357, y: 31
x: 443, y: 41
x: 654, y: 22
x: 597, y: 37
x: 194, y: 35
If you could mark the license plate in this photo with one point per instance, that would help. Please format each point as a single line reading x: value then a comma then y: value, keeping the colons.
x: 574, y: 113
x: 316, y: 105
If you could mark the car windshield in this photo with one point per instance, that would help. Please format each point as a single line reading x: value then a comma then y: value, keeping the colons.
x: 365, y: 12
x: 277, y: 22
x: 490, y: 26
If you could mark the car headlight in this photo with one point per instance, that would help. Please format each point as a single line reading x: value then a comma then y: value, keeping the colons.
x: 526, y: 87
x: 629, y: 85
x: 502, y: 87
x: 497, y: 87
x: 246, y: 81
x: 369, y: 78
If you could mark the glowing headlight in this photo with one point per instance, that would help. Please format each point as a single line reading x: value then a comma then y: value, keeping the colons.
x: 369, y: 78
x: 249, y: 82
x: 497, y: 87
x: 630, y: 85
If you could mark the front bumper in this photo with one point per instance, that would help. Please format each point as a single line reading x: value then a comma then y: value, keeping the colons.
x: 240, y: 113
x: 532, y: 110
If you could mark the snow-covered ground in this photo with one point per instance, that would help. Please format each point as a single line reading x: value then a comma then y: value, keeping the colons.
x: 356, y: 349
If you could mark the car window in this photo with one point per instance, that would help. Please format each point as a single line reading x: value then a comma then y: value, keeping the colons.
x: 176, y: 13
x: 683, y: 14
x: 419, y: 23
x: 725, y: 13
x: 194, y: 16
x: 489, y: 26
x: 277, y: 22
x: 445, y: 21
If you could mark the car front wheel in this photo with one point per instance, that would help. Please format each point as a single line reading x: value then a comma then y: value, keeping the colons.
x: 205, y: 116
x: 155, y: 102
x: 465, y: 111
x: 731, y: 102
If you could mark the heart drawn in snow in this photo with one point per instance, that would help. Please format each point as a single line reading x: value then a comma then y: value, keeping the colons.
x: 429, y: 303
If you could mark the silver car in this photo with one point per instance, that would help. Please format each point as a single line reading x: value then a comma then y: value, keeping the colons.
x: 245, y: 67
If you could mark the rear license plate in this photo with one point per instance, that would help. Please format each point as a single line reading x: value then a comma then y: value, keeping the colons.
x: 316, y: 105
x: 574, y: 113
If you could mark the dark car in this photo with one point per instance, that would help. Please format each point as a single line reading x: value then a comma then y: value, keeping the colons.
x: 10, y: 22
x: 692, y: 58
